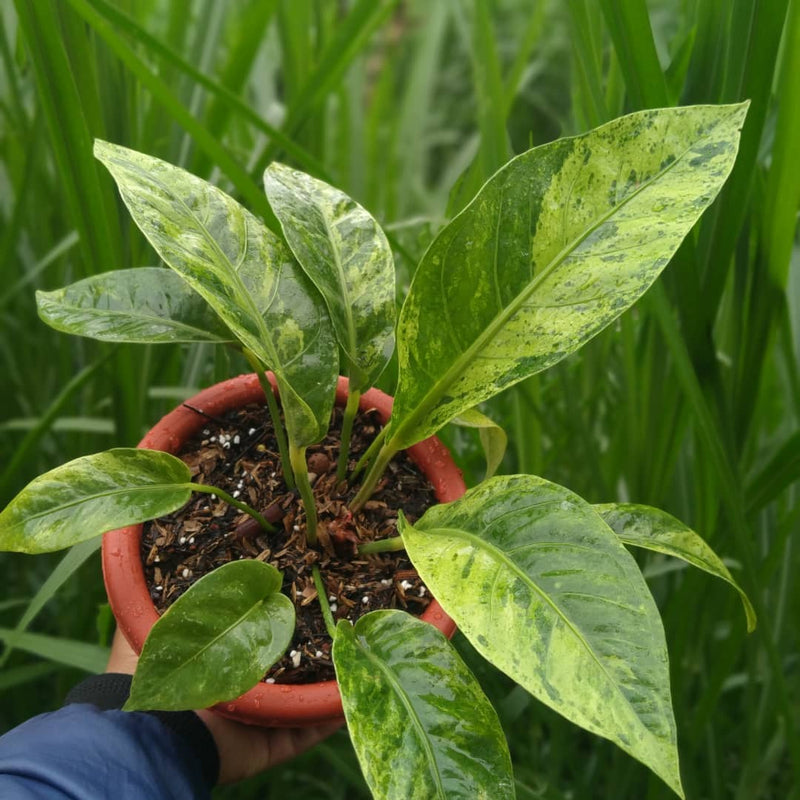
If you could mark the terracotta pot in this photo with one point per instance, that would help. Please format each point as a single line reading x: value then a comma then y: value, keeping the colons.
x: 271, y: 705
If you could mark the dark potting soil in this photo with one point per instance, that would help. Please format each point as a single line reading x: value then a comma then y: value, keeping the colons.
x: 239, y: 454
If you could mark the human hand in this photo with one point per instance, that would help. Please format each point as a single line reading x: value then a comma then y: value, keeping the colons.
x: 244, y: 750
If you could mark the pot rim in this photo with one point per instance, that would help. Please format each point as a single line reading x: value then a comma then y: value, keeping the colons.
x: 272, y: 705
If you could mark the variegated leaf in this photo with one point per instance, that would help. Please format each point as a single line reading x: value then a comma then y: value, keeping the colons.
x: 91, y: 495
x: 345, y: 253
x: 653, y: 529
x: 492, y: 437
x: 244, y: 272
x: 555, y: 246
x: 421, y: 725
x: 545, y: 591
x: 148, y: 304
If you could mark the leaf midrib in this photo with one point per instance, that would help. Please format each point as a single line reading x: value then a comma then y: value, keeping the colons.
x: 716, y: 570
x: 100, y: 495
x: 483, y: 545
x: 434, y: 395
x: 670, y: 550
x: 232, y: 274
x: 412, y: 712
x: 165, y: 680
x: 152, y: 319
x: 337, y: 260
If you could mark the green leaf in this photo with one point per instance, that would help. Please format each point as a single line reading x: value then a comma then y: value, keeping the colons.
x: 653, y: 529
x: 72, y: 560
x: 493, y: 437
x: 555, y: 246
x: 166, y: 102
x: 148, y: 304
x: 781, y: 471
x: 244, y: 272
x: 12, y: 602
x: 345, y: 253
x: 82, y: 655
x: 63, y: 425
x: 216, y: 641
x: 420, y: 723
x: 544, y: 590
x: 46, y: 421
x: 11, y: 678
x: 91, y: 495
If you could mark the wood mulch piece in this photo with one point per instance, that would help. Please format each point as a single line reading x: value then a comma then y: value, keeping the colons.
x: 239, y: 454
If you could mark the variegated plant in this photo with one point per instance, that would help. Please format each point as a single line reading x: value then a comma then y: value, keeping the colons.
x: 554, y: 247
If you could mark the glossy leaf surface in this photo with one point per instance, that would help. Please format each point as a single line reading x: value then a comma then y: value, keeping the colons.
x: 545, y: 591
x: 148, y: 305
x: 91, y: 495
x: 555, y: 246
x: 244, y: 272
x: 345, y: 253
x: 653, y: 529
x: 216, y: 641
x: 420, y: 723
x: 492, y: 437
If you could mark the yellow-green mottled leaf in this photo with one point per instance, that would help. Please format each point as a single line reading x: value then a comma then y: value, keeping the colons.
x: 544, y: 590
x: 147, y: 305
x: 554, y: 247
x: 216, y: 641
x: 653, y: 529
x: 345, y: 253
x: 493, y: 438
x: 244, y: 272
x: 421, y: 725
x: 91, y: 495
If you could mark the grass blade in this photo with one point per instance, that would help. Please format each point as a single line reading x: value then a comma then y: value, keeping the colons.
x: 88, y: 657
x: 629, y: 25
x: 69, y: 564
x: 224, y: 99
x: 11, y: 678
x: 90, y: 202
x: 350, y: 39
x: 11, y: 474
x: 178, y: 111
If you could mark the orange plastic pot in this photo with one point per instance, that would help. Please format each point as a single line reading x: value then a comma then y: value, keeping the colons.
x: 268, y: 705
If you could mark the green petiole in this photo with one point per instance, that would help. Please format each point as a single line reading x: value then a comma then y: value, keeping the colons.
x: 372, y: 477
x: 275, y: 415
x: 391, y: 545
x: 298, y: 459
x: 368, y: 455
x: 224, y: 496
x: 330, y: 624
x: 350, y: 411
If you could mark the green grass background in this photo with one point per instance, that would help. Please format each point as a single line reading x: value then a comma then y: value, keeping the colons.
x: 691, y: 402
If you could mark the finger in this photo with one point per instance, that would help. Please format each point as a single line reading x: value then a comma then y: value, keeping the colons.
x: 246, y: 750
x: 287, y: 743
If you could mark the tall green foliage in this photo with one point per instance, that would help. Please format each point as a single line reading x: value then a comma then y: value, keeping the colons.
x: 694, y: 407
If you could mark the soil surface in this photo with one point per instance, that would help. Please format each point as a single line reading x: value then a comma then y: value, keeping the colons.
x: 239, y: 454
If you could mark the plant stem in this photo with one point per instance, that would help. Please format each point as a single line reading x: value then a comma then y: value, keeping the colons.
x: 350, y: 411
x: 372, y: 477
x: 391, y: 545
x: 322, y: 594
x: 275, y: 415
x: 259, y: 518
x: 298, y: 458
x: 280, y: 434
x: 369, y: 454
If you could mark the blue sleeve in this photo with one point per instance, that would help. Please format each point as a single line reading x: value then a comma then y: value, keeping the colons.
x: 83, y: 753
